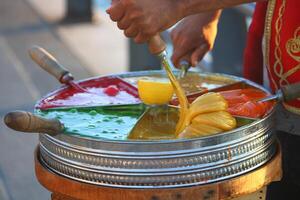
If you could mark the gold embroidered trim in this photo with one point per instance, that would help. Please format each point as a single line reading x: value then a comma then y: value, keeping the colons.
x: 293, y: 45
x: 293, y: 49
x: 278, y: 66
x: 267, y: 35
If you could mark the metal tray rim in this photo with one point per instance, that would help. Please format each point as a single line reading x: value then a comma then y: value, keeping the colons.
x: 142, y: 73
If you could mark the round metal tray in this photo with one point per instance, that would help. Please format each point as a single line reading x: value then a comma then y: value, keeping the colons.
x: 165, y: 163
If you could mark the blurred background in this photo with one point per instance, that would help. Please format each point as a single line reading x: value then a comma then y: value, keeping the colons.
x: 82, y: 37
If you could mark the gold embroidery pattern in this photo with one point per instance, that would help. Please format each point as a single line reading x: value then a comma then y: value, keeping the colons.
x: 278, y: 66
x: 292, y: 47
x: 267, y: 33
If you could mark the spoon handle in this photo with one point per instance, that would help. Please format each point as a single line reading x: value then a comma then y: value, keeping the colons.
x: 47, y: 62
x: 156, y: 45
x: 31, y: 123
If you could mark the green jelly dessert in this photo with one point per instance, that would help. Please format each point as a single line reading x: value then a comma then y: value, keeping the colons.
x: 95, y: 122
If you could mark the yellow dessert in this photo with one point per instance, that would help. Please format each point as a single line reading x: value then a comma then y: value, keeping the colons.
x: 207, y: 115
x: 155, y: 91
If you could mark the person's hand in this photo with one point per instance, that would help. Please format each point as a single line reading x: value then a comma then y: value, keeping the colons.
x: 142, y: 19
x: 193, y: 37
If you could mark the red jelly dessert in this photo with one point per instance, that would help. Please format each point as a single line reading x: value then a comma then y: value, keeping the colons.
x: 244, y: 102
x: 111, y: 90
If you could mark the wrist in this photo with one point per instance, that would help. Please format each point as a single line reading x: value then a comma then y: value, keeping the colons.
x: 192, y: 7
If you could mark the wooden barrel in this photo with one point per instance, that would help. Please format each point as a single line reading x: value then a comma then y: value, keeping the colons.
x: 249, y: 186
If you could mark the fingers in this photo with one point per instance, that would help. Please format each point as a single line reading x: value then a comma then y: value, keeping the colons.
x: 198, y: 54
x: 182, y: 46
x: 177, y: 54
x: 146, y: 30
x: 128, y: 19
x: 116, y: 11
x: 193, y: 56
x: 138, y: 19
x: 184, y: 57
x: 142, y: 37
x: 181, y: 49
x: 131, y: 31
x: 185, y: 60
x: 124, y: 23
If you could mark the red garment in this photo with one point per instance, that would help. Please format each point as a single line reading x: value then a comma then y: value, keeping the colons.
x: 253, y: 55
x: 282, y: 45
x: 284, y: 61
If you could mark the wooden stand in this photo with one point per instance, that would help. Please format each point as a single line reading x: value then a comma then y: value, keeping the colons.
x: 250, y: 186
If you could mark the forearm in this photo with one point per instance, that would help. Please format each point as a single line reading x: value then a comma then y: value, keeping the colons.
x: 191, y: 7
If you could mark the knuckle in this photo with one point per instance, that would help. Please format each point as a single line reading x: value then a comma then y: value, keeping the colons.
x: 123, y: 25
x: 120, y: 25
x: 140, y: 39
x: 112, y: 17
x: 134, y: 15
x: 148, y: 29
x: 129, y: 33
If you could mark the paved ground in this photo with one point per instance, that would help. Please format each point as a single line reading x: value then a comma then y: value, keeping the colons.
x: 100, y: 46
x: 22, y: 24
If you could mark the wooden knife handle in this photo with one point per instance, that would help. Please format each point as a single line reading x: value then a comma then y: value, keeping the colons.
x: 291, y: 92
x: 46, y: 61
x: 29, y: 122
x: 156, y: 45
